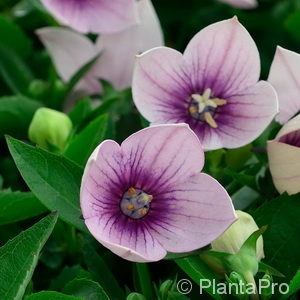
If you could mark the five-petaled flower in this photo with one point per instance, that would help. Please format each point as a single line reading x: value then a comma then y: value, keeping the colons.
x: 96, y: 16
x: 70, y: 51
x: 213, y: 87
x: 147, y: 197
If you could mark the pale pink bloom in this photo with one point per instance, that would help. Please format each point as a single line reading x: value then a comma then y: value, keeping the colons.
x: 243, y: 4
x: 213, y: 87
x: 96, y: 16
x: 147, y: 197
x: 285, y: 77
x: 284, y: 157
x: 70, y: 51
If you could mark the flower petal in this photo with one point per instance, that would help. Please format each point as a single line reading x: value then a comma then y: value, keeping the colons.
x: 116, y: 67
x: 244, y: 117
x: 243, y: 4
x: 191, y: 215
x: 102, y: 186
x: 126, y: 238
x: 70, y: 51
x: 284, y: 161
x: 161, y: 88
x: 162, y: 155
x: 96, y: 16
x: 285, y: 77
x: 224, y: 58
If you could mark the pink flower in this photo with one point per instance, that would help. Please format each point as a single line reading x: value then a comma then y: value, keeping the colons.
x: 96, y: 16
x: 284, y: 157
x: 70, y: 51
x: 147, y: 197
x: 213, y: 87
x: 243, y: 4
x: 285, y: 77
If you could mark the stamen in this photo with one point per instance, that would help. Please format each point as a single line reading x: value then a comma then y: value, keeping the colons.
x: 219, y: 102
x: 210, y: 120
x: 132, y: 191
x: 135, y: 203
x: 143, y: 211
x: 130, y: 207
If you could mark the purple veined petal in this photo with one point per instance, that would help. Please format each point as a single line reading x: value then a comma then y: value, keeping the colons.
x: 285, y: 77
x: 244, y: 117
x: 119, y: 50
x: 129, y: 239
x: 161, y: 155
x: 242, y: 4
x: 69, y: 52
x: 192, y: 214
x: 161, y: 88
x: 96, y: 16
x: 102, y: 184
x: 224, y: 58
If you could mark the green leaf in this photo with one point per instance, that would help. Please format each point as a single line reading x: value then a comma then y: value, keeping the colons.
x: 294, y: 286
x: 144, y: 280
x: 80, y: 111
x: 281, y: 240
x: 49, y: 295
x: 136, y: 296
x: 16, y: 113
x: 14, y: 71
x: 197, y: 270
x: 101, y: 273
x: 18, y: 206
x: 82, y: 145
x: 262, y: 267
x: 19, y: 257
x: 53, y: 179
x: 14, y: 38
x: 80, y: 73
x: 85, y: 288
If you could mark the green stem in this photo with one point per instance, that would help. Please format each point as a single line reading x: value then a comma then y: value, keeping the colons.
x: 250, y: 279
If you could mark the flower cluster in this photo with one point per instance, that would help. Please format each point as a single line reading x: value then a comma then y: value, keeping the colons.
x: 147, y: 197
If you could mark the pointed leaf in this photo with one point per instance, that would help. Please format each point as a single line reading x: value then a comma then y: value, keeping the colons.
x: 294, y: 286
x: 197, y: 270
x: 16, y: 113
x: 82, y: 145
x: 85, y: 288
x: 262, y: 267
x: 18, y: 206
x: 49, y: 295
x: 101, y: 273
x: 53, y: 179
x: 19, y: 257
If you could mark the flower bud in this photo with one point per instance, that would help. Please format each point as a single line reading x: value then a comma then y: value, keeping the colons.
x: 50, y: 129
x: 237, y: 285
x: 284, y: 157
x: 234, y: 237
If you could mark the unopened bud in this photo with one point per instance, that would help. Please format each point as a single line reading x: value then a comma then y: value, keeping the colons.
x: 50, y: 129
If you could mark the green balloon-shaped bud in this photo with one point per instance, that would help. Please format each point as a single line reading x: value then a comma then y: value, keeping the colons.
x: 50, y: 129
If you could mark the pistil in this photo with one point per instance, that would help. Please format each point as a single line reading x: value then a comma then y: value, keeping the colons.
x: 203, y: 107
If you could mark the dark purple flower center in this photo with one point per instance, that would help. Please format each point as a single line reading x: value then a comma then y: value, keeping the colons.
x: 135, y: 203
x: 292, y: 138
x: 203, y: 107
